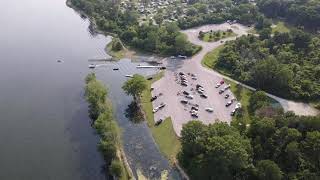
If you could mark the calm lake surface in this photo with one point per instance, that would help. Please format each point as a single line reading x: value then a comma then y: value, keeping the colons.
x: 45, y: 131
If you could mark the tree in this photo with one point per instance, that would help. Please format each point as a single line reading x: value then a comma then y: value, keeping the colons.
x: 268, y: 170
x: 116, y: 45
x: 135, y: 86
x: 180, y: 44
x: 258, y: 100
x: 95, y: 93
x: 115, y: 168
x: 214, y: 152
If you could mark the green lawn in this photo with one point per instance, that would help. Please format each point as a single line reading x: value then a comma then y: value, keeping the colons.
x: 280, y: 27
x: 210, y: 59
x: 164, y: 134
x: 216, y: 35
x: 117, y: 55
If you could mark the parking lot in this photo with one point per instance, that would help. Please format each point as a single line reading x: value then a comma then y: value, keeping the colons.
x: 172, y: 91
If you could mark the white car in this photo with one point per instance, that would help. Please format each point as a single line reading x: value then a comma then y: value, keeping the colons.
x: 189, y: 96
x: 209, y: 109
x: 155, y: 110
x: 218, y: 85
x: 238, y: 105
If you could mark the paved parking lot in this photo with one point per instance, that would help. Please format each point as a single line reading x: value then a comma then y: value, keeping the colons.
x: 172, y: 91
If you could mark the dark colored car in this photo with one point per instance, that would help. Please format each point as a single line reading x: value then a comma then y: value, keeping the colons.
x: 203, y: 96
x: 158, y: 122
x: 194, y: 108
x: 184, y: 84
x: 154, y: 98
x: 184, y: 101
x: 185, y: 93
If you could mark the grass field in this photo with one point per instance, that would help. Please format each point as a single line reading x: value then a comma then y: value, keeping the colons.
x: 211, y: 58
x: 280, y: 27
x: 117, y: 55
x: 216, y: 36
x: 164, y: 134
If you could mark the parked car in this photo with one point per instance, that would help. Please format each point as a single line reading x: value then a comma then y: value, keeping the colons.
x: 229, y: 103
x: 184, y: 101
x: 162, y: 105
x: 184, y: 84
x: 200, y: 91
x: 194, y: 115
x: 199, y: 86
x: 181, y: 56
x: 185, y: 93
x: 233, y: 112
x: 221, y: 91
x: 227, y: 87
x: 209, y: 109
x: 226, y: 96
x: 155, y: 110
x: 189, y: 96
x: 195, y: 108
x: 154, y: 98
x: 181, y: 73
x: 203, y: 96
x: 222, y: 82
x: 218, y: 85
x: 194, y: 78
x: 157, y: 123
x: 238, y: 105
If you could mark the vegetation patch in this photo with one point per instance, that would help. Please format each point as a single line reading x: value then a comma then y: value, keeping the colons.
x: 280, y: 27
x: 281, y: 146
x: 210, y: 59
x: 116, y: 49
x: 212, y: 36
x: 163, y: 134
x: 100, y: 111
x: 285, y: 64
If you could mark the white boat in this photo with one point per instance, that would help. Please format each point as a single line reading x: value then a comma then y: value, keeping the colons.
x: 91, y: 66
x: 141, y: 66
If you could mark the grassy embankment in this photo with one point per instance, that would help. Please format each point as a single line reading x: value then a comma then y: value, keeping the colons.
x: 164, y: 134
x: 212, y: 36
x: 117, y: 55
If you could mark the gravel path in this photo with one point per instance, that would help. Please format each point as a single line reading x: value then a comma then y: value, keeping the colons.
x: 208, y: 78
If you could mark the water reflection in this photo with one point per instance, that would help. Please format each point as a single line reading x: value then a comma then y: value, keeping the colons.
x: 133, y: 113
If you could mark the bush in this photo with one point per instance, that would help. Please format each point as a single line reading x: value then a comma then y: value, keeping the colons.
x: 115, y: 168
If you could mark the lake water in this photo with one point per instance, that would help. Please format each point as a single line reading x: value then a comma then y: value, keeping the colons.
x: 45, y: 131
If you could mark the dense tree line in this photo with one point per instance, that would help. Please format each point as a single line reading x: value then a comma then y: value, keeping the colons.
x: 104, y: 123
x: 166, y: 39
x: 286, y: 64
x: 218, y: 11
x: 304, y: 13
x: 274, y: 147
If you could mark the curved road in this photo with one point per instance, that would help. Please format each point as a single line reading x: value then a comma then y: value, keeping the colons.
x: 298, y: 108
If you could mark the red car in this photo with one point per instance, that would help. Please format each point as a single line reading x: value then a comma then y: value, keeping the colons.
x: 221, y: 82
